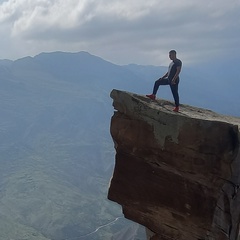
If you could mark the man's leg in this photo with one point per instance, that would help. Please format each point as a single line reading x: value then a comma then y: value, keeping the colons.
x: 174, y: 89
x: 160, y: 81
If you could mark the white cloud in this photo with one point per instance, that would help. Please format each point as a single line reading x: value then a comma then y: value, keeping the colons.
x: 121, y: 31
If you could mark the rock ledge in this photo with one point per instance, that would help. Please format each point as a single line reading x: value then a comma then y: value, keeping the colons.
x: 178, y: 174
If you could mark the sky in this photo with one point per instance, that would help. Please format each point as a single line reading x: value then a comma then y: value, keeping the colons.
x: 122, y: 31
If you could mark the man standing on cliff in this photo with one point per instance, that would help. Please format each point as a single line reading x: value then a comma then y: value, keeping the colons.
x: 170, y: 78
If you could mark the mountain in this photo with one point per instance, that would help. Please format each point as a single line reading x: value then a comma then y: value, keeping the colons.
x: 210, y: 88
x: 56, y: 152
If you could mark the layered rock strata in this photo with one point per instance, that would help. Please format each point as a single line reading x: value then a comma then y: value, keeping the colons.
x: 178, y: 174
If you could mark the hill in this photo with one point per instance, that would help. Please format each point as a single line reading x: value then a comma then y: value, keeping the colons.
x: 56, y: 153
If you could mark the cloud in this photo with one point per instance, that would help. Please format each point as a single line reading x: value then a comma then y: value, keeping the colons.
x: 122, y: 31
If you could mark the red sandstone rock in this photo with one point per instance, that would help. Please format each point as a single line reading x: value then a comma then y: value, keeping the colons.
x: 176, y: 173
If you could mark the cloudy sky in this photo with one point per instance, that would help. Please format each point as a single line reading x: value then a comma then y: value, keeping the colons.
x: 122, y: 31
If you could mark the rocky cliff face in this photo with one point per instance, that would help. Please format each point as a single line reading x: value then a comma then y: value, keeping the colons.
x: 178, y: 174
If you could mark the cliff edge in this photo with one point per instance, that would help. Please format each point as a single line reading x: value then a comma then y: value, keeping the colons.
x: 177, y: 174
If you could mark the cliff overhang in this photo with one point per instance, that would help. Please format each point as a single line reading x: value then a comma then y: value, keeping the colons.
x: 178, y: 174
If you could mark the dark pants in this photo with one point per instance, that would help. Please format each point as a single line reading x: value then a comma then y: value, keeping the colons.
x: 174, y: 88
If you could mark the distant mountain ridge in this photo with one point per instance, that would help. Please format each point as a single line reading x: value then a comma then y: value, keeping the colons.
x: 207, y: 87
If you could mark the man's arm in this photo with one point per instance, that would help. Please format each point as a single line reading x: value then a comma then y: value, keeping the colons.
x: 165, y: 75
x: 176, y: 74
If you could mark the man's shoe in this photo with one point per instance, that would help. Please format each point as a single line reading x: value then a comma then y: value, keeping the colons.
x: 176, y: 109
x: 151, y: 96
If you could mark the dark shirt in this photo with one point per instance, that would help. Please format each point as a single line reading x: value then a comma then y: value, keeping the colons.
x: 172, y: 69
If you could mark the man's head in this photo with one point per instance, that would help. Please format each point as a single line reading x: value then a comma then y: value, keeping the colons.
x: 172, y: 54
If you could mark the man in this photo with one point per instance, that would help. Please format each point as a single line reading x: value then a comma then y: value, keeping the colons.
x: 170, y: 78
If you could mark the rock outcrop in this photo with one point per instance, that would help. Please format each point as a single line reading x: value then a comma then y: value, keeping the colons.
x: 178, y: 174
